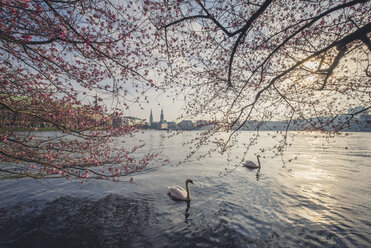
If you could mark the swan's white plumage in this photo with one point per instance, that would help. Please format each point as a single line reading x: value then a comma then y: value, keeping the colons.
x: 250, y: 164
x: 179, y: 193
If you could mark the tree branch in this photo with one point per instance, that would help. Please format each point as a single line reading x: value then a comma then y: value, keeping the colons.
x: 341, y: 53
x: 242, y: 35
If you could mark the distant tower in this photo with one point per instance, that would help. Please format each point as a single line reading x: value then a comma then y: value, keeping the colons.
x: 96, y: 102
x: 162, y: 116
x: 151, y: 117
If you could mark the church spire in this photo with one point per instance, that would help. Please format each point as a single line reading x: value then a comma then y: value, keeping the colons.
x: 96, y: 101
x: 162, y: 115
x: 151, y: 117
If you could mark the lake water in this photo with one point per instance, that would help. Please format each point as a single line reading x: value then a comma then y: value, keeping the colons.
x: 322, y: 199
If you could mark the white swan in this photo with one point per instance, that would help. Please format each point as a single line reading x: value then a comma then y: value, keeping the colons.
x: 251, y: 165
x: 179, y: 193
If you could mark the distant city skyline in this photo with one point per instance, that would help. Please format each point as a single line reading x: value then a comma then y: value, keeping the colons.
x: 170, y: 111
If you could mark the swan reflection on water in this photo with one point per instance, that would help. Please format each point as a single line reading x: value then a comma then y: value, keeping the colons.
x: 258, y: 176
x: 186, y: 215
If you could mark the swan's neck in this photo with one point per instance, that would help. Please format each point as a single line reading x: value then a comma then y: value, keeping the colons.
x: 188, y: 193
x: 258, y: 161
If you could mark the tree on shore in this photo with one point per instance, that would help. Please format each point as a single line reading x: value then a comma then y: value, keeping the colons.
x: 54, y: 57
x: 266, y: 60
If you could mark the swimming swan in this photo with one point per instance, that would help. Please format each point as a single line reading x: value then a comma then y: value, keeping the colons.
x: 251, y: 165
x: 179, y: 193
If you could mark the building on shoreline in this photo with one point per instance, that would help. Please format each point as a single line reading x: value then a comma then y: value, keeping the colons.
x: 161, y: 125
